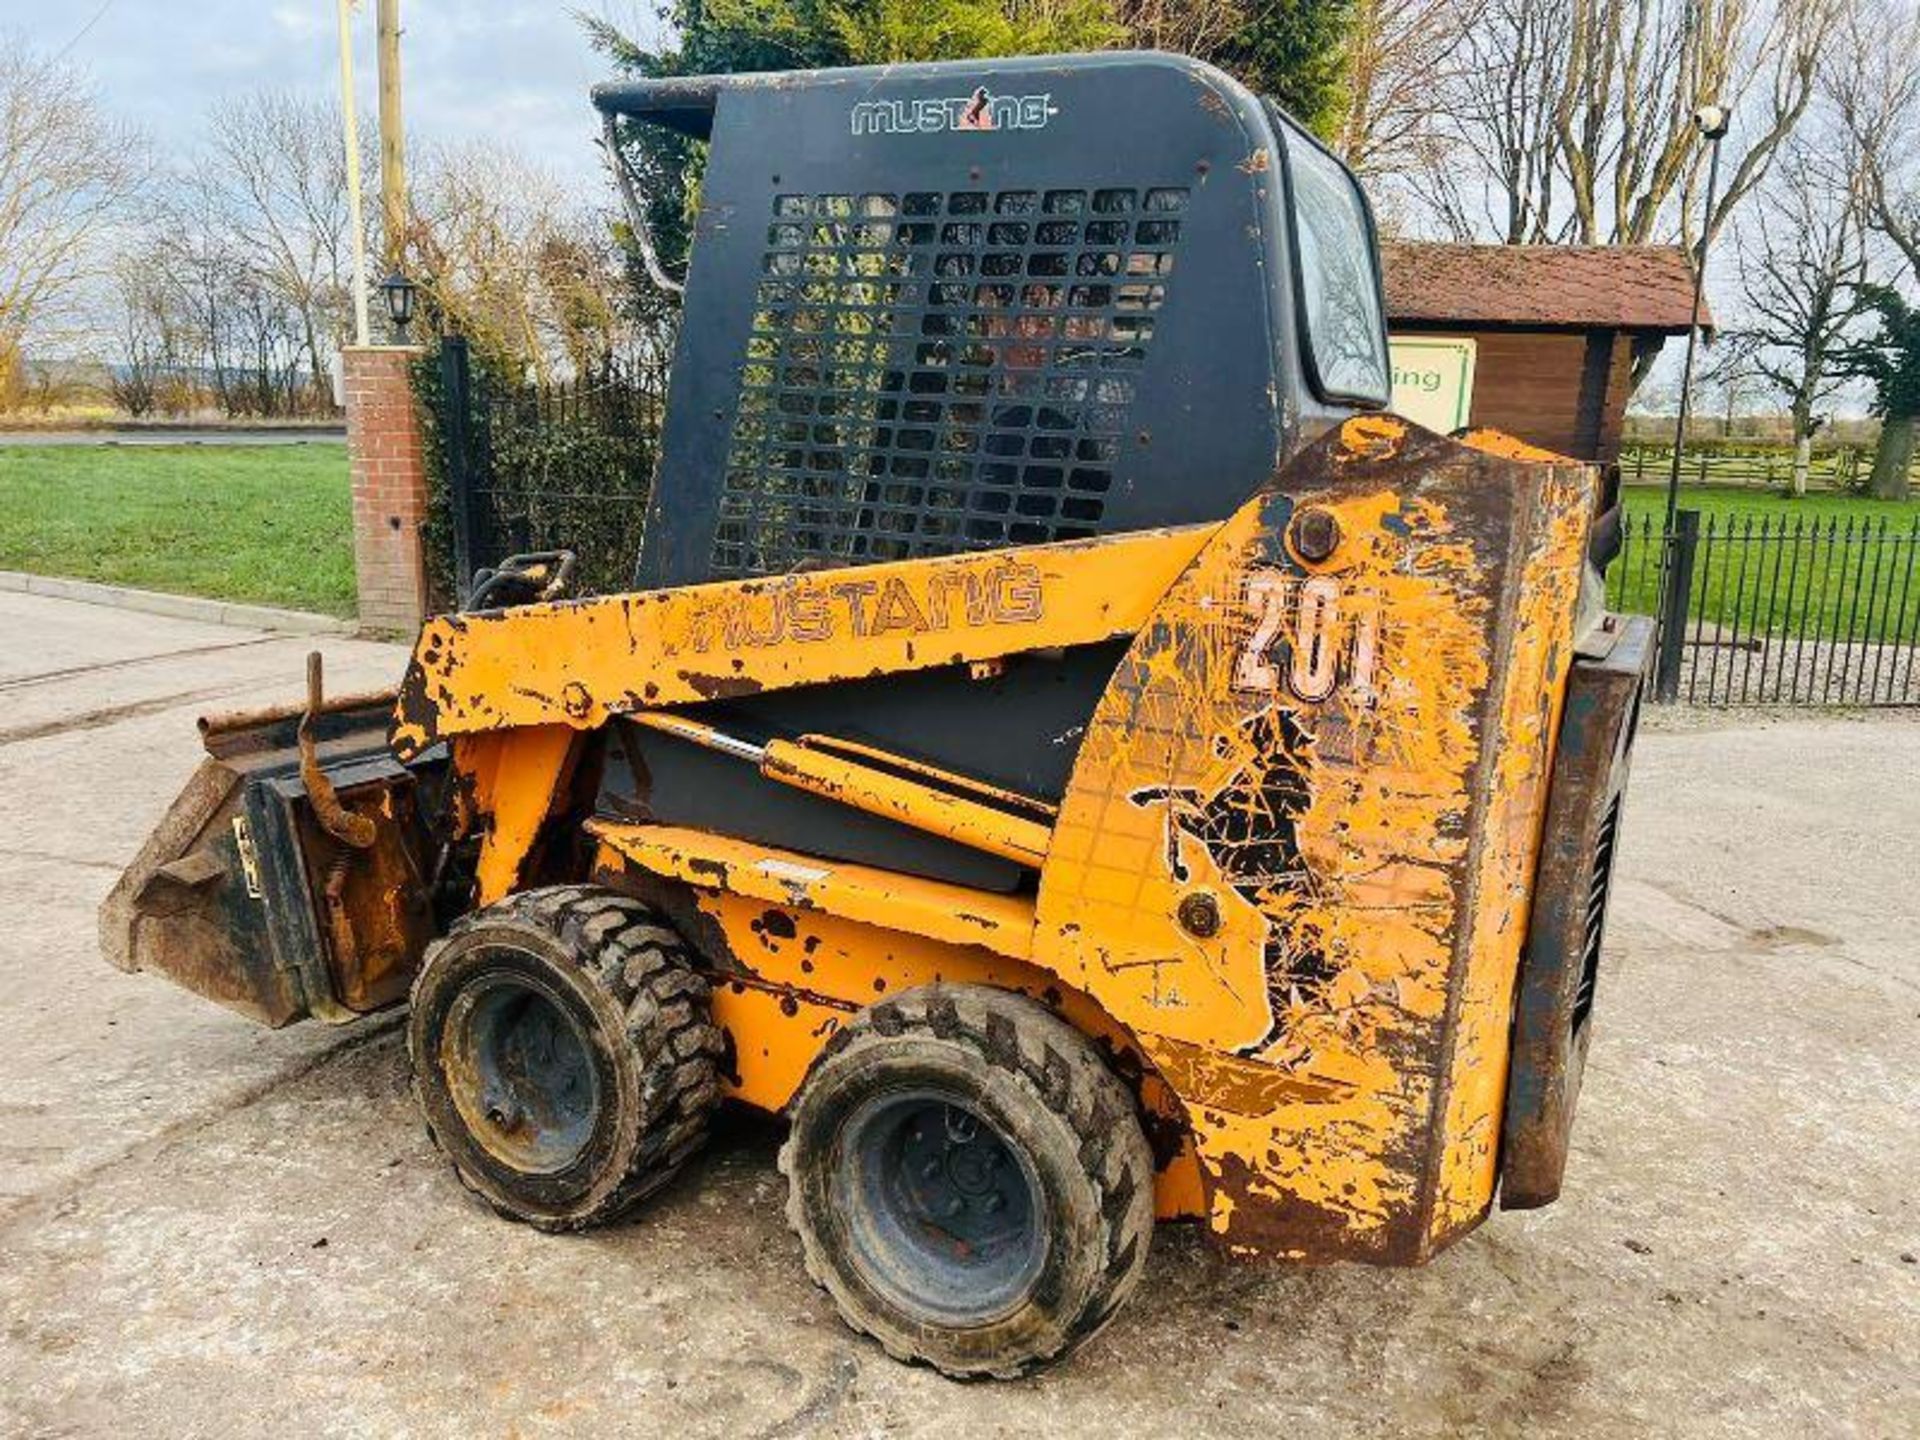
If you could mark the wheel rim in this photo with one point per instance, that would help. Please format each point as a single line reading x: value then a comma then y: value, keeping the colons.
x: 944, y: 1213
x: 520, y: 1071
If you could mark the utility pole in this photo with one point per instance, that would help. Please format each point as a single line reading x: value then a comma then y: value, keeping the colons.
x: 393, y: 154
x: 350, y: 127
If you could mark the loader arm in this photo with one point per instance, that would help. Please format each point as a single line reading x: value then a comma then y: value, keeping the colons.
x: 579, y: 663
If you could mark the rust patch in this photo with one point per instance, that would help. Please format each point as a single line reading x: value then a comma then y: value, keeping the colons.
x: 720, y: 687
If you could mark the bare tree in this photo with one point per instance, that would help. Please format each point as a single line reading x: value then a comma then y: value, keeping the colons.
x: 1876, y: 88
x: 280, y: 174
x: 231, y: 330
x: 1732, y: 376
x: 1400, y: 58
x: 66, y: 168
x: 148, y: 354
x: 1493, y: 167
x: 1571, y: 120
x: 509, y: 258
x: 1802, y: 255
x: 1180, y: 25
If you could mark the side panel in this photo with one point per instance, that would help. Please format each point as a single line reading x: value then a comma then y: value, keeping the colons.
x: 1283, y: 860
x: 1554, y: 1008
x: 1534, y: 628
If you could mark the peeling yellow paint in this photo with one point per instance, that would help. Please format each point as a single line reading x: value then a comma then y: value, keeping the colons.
x: 1290, y: 872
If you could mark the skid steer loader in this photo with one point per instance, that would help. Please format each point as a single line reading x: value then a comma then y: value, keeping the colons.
x: 1067, y: 748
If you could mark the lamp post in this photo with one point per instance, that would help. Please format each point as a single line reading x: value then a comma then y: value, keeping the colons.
x: 1712, y: 122
x: 398, y: 291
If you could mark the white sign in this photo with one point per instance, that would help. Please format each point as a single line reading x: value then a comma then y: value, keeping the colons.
x: 1432, y: 381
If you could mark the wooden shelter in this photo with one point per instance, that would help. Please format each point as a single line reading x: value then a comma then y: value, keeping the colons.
x: 1558, y: 329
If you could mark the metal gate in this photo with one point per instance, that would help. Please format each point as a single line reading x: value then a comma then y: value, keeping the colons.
x: 526, y: 467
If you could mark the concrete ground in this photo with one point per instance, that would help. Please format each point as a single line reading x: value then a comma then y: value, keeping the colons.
x: 208, y: 1229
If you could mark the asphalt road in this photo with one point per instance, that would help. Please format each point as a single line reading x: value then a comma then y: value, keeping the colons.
x: 209, y: 1229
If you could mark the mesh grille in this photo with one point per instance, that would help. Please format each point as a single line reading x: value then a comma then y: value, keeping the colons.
x: 936, y: 372
x: 1600, y: 881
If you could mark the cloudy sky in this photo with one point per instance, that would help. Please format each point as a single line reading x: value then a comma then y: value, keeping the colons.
x: 513, y: 68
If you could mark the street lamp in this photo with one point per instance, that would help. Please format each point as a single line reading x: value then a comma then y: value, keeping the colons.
x: 398, y: 291
x: 1712, y: 122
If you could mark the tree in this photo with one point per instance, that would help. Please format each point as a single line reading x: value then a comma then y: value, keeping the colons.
x: 506, y: 257
x: 280, y: 173
x: 149, y: 353
x: 1733, y: 376
x: 1293, y: 51
x: 1570, y: 121
x: 66, y: 170
x: 1493, y: 165
x: 1876, y: 88
x: 1889, y: 360
x: 1802, y: 257
x: 886, y: 32
x: 1401, y: 57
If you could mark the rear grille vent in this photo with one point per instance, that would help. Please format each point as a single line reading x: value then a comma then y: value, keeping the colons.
x: 1598, y: 886
x: 930, y: 373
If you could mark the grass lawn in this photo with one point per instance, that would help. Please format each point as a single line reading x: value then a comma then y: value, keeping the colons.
x: 1743, y: 500
x: 1795, y: 572
x: 269, y: 524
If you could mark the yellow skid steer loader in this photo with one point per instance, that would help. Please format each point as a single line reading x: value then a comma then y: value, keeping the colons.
x: 1066, y: 748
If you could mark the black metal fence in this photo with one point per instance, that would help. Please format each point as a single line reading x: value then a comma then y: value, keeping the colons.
x: 1779, y: 610
x: 521, y: 467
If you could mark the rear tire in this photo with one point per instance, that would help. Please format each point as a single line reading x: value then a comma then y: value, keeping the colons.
x: 563, y: 1054
x: 969, y: 1181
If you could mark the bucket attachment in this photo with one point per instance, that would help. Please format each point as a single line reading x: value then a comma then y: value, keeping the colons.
x: 288, y: 878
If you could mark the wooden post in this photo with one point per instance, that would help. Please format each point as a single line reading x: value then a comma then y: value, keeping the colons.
x: 393, y: 155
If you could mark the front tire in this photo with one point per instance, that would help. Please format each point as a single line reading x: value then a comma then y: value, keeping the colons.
x: 563, y: 1054
x: 969, y: 1181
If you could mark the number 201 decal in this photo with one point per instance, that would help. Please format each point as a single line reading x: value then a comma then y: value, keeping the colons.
x: 1301, y: 635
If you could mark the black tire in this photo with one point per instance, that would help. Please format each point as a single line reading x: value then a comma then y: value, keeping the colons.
x: 926, y: 1126
x: 563, y: 1054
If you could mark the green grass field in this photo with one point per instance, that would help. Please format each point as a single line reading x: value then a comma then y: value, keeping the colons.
x: 1817, y: 584
x: 1722, y: 501
x: 268, y: 524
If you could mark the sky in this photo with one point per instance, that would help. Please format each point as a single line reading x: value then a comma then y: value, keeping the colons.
x: 502, y: 69
x: 515, y: 69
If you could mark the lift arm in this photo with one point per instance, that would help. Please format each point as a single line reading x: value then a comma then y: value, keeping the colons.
x: 578, y: 663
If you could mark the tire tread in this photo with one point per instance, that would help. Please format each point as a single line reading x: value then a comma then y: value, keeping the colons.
x: 1012, y: 1033
x: 627, y: 950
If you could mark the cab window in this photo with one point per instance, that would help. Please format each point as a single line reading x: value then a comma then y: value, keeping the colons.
x: 1333, y: 241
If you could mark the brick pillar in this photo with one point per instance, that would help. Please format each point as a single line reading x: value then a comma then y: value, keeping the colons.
x: 389, y: 487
